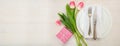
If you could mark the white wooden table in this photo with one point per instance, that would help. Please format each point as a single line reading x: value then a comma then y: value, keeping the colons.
x: 32, y: 23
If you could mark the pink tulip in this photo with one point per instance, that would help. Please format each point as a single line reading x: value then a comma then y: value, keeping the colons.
x: 80, y: 5
x: 58, y: 22
x: 72, y: 4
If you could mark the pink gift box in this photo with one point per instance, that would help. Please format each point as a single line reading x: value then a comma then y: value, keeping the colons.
x: 64, y: 35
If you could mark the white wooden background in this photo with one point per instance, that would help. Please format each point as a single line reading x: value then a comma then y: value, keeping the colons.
x: 32, y: 23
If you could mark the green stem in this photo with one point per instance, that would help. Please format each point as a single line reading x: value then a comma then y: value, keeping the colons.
x: 81, y: 37
x: 77, y: 40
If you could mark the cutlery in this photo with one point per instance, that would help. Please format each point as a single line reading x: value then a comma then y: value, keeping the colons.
x: 89, y: 14
x: 94, y: 22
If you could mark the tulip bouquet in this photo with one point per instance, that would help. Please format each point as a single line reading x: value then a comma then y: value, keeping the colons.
x: 69, y: 21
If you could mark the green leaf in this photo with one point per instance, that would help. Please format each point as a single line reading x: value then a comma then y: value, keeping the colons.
x: 66, y: 21
x: 70, y: 15
x: 68, y: 11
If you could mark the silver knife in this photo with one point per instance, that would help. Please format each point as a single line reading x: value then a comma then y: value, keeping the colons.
x: 95, y: 22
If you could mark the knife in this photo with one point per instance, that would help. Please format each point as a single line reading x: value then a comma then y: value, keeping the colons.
x: 95, y: 22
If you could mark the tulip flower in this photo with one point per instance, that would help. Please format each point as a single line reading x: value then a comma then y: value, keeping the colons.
x: 58, y: 22
x: 72, y: 4
x: 80, y: 5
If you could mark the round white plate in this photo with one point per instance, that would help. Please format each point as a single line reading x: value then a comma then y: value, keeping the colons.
x: 104, y: 21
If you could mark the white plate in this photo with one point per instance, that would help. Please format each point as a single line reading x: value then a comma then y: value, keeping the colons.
x: 104, y: 21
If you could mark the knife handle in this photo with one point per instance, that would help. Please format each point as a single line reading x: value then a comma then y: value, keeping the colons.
x: 94, y: 33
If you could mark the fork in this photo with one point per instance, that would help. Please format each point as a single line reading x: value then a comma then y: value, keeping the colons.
x: 89, y: 14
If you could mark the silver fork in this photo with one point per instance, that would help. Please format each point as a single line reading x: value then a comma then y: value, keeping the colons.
x: 89, y: 14
x: 94, y: 22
